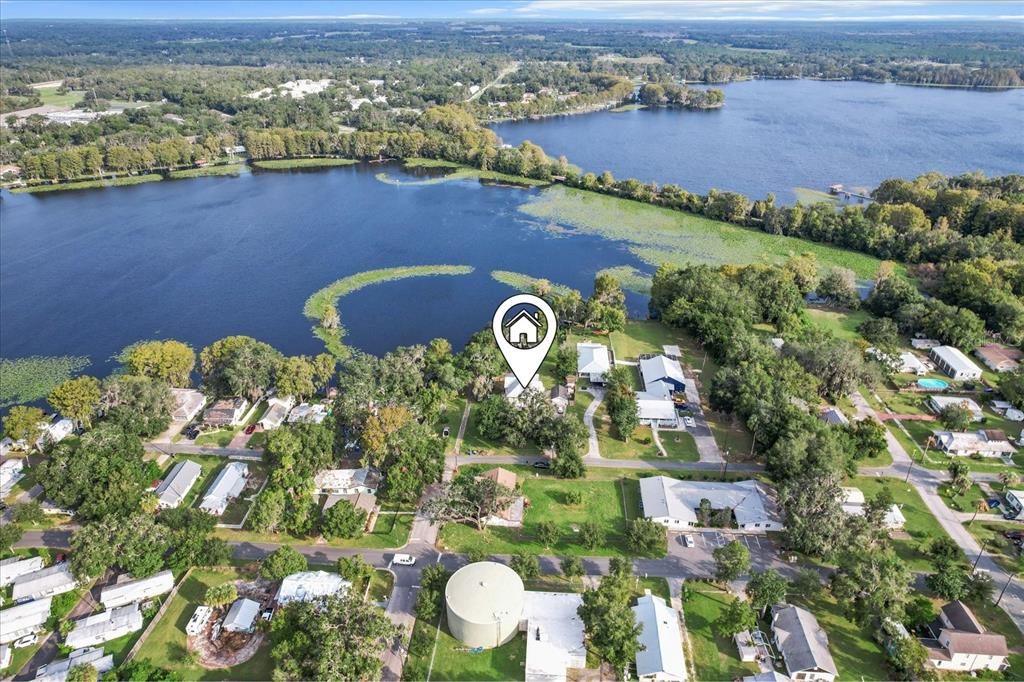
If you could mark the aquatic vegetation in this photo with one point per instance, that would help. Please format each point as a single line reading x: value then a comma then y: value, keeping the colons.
x: 630, y: 278
x: 283, y: 164
x: 23, y: 380
x: 317, y: 304
x: 227, y: 169
x: 657, y: 235
x: 91, y: 184
x: 458, y: 173
x: 523, y: 282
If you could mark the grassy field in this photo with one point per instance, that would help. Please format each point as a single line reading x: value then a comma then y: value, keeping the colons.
x: 51, y: 97
x: 609, y: 502
x: 921, y: 526
x: 225, y: 169
x: 658, y: 235
x: 452, y: 662
x: 166, y: 645
x: 630, y: 278
x: 328, y: 296
x: 990, y: 535
x: 807, y: 196
x: 451, y: 418
x: 284, y: 164
x: 91, y: 184
x: 842, y: 323
x: 714, y: 658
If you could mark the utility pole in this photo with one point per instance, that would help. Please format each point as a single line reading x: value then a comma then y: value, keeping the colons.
x: 1003, y: 591
x: 978, y: 558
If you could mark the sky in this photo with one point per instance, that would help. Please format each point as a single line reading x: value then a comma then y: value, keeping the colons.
x: 496, y: 10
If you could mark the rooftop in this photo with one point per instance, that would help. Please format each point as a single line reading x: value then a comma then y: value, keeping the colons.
x: 669, y: 497
x: 801, y: 640
x: 661, y: 638
x: 954, y: 358
x: 554, y: 639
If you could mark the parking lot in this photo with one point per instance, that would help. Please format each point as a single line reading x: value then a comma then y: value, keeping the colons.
x: 699, y: 559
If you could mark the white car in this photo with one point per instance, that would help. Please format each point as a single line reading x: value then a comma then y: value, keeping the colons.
x: 27, y: 640
x: 404, y: 560
x: 688, y: 540
x: 689, y: 423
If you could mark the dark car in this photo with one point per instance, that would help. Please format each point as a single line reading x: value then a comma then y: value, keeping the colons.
x: 192, y: 433
x: 250, y: 429
x: 541, y: 464
x: 1014, y: 534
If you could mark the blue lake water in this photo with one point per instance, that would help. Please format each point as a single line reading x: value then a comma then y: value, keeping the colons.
x: 88, y: 272
x: 772, y: 136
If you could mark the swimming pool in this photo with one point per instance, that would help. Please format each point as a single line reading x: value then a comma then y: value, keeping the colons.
x: 932, y: 383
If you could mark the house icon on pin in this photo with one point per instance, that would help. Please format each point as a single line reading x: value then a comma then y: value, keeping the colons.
x: 522, y: 329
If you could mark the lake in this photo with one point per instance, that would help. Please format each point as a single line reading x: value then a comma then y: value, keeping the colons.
x: 89, y: 272
x: 773, y: 136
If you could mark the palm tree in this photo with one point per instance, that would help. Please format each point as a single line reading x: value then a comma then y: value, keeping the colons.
x: 979, y: 506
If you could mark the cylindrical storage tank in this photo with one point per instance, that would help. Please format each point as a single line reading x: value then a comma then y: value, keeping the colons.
x: 485, y: 604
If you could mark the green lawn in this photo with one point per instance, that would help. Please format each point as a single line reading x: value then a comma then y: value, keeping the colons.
x: 227, y: 169
x: 453, y: 662
x: 210, y: 465
x: 966, y: 502
x: 921, y: 526
x: 166, y: 644
x: 609, y: 502
x: 714, y: 658
x: 90, y: 184
x: 391, y: 531
x: 452, y: 418
x: 855, y: 652
x: 51, y: 97
x: 220, y: 438
x: 990, y: 535
x: 842, y: 323
x: 657, y: 235
x: 679, y: 445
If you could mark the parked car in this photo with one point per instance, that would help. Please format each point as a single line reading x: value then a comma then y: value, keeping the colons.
x: 1014, y: 534
x: 404, y: 560
x: 192, y: 433
x: 250, y: 429
x: 688, y: 540
x: 445, y: 432
x: 689, y: 422
x: 541, y: 464
x: 27, y: 640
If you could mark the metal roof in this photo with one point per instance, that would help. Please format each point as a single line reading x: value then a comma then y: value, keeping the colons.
x: 228, y: 485
x: 669, y: 497
x: 593, y: 358
x: 662, y: 640
x: 47, y: 581
x: 309, y: 585
x: 241, y: 615
x: 136, y: 590
x: 178, y: 482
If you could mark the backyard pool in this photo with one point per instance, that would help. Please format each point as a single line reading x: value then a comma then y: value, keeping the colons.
x: 936, y: 384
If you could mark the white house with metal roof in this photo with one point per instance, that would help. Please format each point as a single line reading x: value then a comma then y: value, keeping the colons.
x: 310, y: 585
x: 853, y: 502
x: 188, y: 403
x: 228, y: 485
x: 104, y: 626
x: 57, y: 671
x: 656, y: 410
x: 130, y: 591
x: 953, y: 362
x: 802, y: 643
x: 983, y: 443
x: 11, y: 471
x: 55, y: 431
x: 674, y: 503
x: 23, y: 619
x: 277, y: 411
x: 242, y: 616
x: 173, y: 489
x: 554, y: 635
x: 593, y: 361
x: 17, y: 566
x: 661, y: 658
x: 46, y: 582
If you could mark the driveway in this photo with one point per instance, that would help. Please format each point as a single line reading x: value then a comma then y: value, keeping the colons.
x: 701, y: 432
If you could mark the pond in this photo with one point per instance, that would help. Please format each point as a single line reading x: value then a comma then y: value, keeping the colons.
x: 774, y: 136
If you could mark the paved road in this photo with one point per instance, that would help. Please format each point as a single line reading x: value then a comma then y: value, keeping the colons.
x: 702, y: 435
x: 504, y: 72
x: 190, y: 449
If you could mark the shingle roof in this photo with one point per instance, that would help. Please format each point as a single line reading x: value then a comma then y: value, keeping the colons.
x: 803, y: 643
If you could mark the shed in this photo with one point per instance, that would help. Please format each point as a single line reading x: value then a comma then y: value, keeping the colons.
x: 242, y: 616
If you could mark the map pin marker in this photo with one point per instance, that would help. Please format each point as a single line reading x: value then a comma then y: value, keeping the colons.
x: 519, y: 338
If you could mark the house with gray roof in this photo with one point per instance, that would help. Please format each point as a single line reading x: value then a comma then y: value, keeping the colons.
x: 228, y: 485
x: 23, y: 619
x: 129, y: 591
x: 57, y: 671
x: 802, y: 643
x: 46, y: 582
x: 104, y: 626
x: 661, y: 657
x: 173, y: 489
x: 960, y: 643
x: 674, y: 503
x: 18, y: 566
